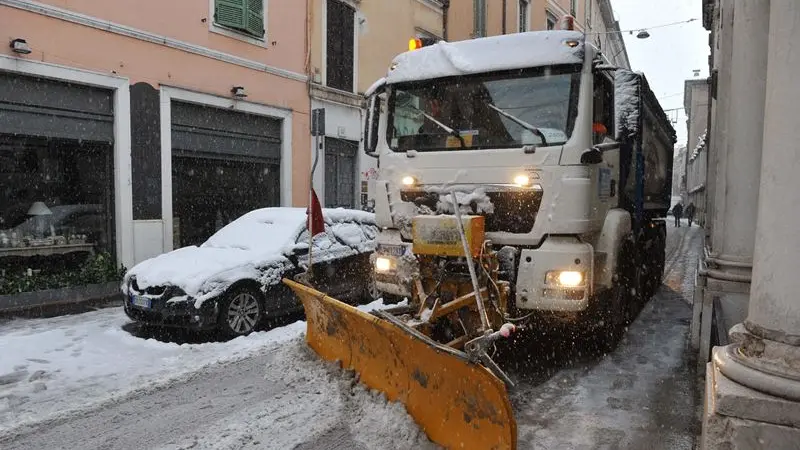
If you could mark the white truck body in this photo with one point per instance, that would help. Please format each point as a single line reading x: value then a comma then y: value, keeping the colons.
x: 570, y: 215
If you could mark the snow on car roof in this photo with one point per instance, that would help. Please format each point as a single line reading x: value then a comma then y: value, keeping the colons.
x: 276, y: 227
x: 505, y: 52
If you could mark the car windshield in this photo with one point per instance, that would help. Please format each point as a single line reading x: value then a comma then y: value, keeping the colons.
x: 506, y: 110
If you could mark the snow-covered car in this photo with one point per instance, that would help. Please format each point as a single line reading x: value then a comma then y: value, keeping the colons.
x: 232, y: 282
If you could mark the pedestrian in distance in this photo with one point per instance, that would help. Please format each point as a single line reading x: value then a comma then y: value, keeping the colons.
x: 690, y: 213
x: 677, y: 211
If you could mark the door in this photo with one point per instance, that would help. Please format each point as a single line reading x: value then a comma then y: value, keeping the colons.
x: 224, y: 164
x: 340, y: 173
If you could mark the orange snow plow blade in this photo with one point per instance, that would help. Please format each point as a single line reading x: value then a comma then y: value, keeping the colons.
x: 457, y: 403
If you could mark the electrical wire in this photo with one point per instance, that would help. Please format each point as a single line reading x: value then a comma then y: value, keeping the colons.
x: 682, y: 22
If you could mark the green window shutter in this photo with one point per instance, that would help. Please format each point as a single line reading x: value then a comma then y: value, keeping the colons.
x: 230, y: 13
x: 254, y: 20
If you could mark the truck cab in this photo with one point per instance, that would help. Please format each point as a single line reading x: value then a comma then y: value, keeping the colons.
x: 562, y: 154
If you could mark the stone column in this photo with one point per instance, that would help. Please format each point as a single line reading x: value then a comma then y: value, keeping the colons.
x: 753, y: 385
x: 723, y: 54
x: 738, y: 155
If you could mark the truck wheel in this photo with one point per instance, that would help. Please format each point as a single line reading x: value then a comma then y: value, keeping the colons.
x: 619, y: 302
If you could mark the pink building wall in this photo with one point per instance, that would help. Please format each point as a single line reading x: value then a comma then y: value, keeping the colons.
x: 69, y: 44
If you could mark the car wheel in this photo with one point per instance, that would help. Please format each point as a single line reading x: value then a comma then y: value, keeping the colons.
x: 241, y: 312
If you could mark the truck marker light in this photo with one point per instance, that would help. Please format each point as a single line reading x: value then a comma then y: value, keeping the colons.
x: 522, y: 180
x: 414, y: 44
x: 382, y: 264
x: 408, y: 181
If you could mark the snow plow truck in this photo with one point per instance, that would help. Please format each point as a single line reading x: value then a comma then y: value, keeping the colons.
x: 522, y: 178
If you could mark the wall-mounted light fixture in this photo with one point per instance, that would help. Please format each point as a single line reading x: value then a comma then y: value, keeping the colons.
x: 20, y: 46
x: 238, y: 92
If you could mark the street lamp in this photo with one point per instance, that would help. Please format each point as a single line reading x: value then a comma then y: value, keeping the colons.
x: 643, y: 34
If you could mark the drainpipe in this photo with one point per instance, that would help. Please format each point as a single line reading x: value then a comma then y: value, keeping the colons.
x: 505, y: 13
x: 445, y: 12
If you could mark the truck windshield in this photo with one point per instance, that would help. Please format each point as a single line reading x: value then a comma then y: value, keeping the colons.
x: 499, y: 110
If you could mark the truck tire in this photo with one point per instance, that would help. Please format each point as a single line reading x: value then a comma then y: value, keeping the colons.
x: 617, y: 314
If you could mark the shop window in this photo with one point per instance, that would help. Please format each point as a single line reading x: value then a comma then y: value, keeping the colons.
x: 552, y: 20
x: 56, y: 208
x: 244, y: 16
x: 340, y: 57
x: 524, y: 11
x: 479, y: 18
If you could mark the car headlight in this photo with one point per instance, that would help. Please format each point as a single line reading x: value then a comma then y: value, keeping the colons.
x: 564, y: 278
x: 383, y: 264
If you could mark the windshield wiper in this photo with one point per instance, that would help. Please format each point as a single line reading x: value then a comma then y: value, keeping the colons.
x: 450, y: 131
x: 521, y: 123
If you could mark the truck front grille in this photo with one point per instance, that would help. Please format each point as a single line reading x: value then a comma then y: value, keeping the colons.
x: 514, y: 209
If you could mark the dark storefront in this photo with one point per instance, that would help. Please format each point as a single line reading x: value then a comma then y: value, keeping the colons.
x: 56, y: 182
x: 224, y: 164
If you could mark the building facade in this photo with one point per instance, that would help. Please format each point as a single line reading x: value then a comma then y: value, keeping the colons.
x: 477, y: 18
x: 747, y: 279
x: 132, y: 128
x: 352, y: 44
x: 695, y: 103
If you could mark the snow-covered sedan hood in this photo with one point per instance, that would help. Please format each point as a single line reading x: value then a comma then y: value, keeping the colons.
x: 204, y: 272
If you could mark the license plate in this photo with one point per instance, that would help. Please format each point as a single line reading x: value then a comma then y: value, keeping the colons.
x: 141, y: 302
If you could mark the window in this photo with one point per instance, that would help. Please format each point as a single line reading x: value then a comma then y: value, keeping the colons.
x: 573, y: 8
x: 340, y: 46
x: 479, y: 18
x: 551, y: 20
x: 56, y: 204
x: 464, y: 113
x: 244, y: 16
x: 524, y: 11
x: 603, y: 111
x: 340, y: 173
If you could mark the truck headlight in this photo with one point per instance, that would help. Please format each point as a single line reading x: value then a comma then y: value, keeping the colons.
x: 522, y: 180
x: 408, y: 181
x: 564, y: 278
x: 383, y: 264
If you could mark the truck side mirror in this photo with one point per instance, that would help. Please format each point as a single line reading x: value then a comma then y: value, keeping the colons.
x: 594, y: 155
x: 371, y: 123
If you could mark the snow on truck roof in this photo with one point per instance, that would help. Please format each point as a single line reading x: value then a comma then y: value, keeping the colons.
x: 505, y: 52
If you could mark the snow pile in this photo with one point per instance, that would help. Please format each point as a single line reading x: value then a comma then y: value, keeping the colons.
x: 53, y: 367
x: 482, y: 203
x: 322, y: 406
x: 496, y: 53
x: 627, y: 86
x: 701, y: 143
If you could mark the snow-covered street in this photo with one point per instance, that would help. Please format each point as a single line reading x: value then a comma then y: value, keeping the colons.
x: 83, y: 381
